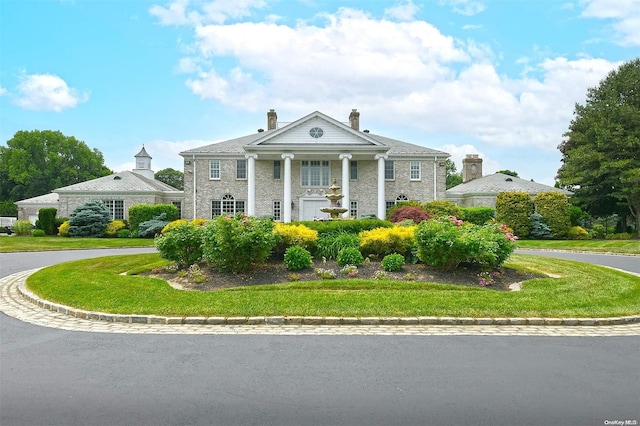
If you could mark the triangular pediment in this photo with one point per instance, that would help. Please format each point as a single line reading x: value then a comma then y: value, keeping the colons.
x: 316, y: 129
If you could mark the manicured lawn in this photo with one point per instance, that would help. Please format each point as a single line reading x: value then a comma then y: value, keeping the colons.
x: 610, y: 246
x: 582, y: 291
x: 15, y: 243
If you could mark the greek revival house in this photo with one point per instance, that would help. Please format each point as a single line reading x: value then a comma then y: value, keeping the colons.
x: 285, y: 170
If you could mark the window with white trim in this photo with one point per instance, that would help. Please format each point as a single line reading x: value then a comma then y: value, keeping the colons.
x: 214, y: 169
x: 353, y: 173
x: 414, y: 170
x: 178, y: 204
x: 353, y: 209
x: 241, y: 169
x: 314, y: 173
x: 389, y: 170
x: 227, y: 205
x: 116, y: 208
x: 276, y: 169
x: 277, y: 210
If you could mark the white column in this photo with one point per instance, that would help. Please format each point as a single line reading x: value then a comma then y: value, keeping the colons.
x: 345, y: 183
x: 194, y: 194
x: 382, y: 211
x: 435, y: 178
x: 251, y: 183
x: 286, y: 208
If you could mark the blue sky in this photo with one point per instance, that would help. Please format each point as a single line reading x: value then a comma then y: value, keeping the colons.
x: 496, y: 78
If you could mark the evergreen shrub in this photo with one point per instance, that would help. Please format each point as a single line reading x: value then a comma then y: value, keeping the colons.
x: 555, y: 209
x: 354, y: 226
x: 514, y: 209
x: 89, y: 220
x: 38, y: 233
x: 145, y: 212
x: 539, y: 229
x: 63, y: 230
x: 47, y: 220
x: 297, y: 258
x: 151, y: 228
x: 478, y: 215
x: 113, y: 228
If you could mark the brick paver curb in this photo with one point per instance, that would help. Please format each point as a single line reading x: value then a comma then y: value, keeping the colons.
x: 311, y: 320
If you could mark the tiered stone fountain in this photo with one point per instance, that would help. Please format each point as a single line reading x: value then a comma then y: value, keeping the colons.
x: 334, y: 209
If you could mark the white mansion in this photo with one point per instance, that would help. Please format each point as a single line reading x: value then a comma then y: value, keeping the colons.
x: 285, y: 171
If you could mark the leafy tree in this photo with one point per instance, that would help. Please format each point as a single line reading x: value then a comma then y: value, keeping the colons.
x: 601, y: 153
x: 171, y: 177
x: 508, y: 172
x: 35, y: 162
x: 453, y: 178
x: 514, y: 209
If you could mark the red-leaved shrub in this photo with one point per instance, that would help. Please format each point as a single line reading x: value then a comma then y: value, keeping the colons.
x: 416, y: 214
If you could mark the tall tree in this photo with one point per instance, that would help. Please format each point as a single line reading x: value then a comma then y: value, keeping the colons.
x: 453, y: 178
x: 171, y: 177
x: 36, y: 162
x: 601, y: 155
x: 508, y: 172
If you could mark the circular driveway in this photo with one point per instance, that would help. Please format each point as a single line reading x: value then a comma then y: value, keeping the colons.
x: 50, y: 376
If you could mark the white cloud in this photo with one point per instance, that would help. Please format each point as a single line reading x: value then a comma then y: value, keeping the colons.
x: 164, y: 154
x: 624, y: 14
x: 3, y: 91
x: 47, y: 92
x: 465, y: 7
x: 402, y: 11
x: 404, y: 74
x: 217, y: 12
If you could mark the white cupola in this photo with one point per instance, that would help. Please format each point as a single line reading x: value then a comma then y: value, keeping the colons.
x: 143, y: 164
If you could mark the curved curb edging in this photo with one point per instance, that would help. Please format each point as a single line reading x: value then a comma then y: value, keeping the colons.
x: 314, y: 320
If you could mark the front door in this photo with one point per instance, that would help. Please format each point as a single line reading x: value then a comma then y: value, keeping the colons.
x: 310, y: 207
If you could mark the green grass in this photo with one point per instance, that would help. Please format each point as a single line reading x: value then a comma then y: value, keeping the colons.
x: 583, y: 291
x: 16, y: 244
x: 602, y: 246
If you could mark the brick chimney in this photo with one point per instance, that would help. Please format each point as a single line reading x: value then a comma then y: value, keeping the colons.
x: 471, y: 168
x: 272, y: 120
x: 354, y: 119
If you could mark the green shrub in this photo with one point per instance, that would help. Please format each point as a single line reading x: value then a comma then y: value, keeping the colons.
x: 296, y: 258
x: 383, y: 241
x: 38, y: 233
x: 182, y: 244
x: 621, y: 236
x: 598, y: 231
x: 58, y: 223
x: 577, y: 233
x: 22, y: 228
x: 113, y: 228
x: 577, y: 216
x: 514, y: 209
x: 539, y: 230
x: 47, y: 220
x: 442, y: 208
x: 124, y: 233
x: 145, y: 212
x: 393, y: 262
x: 413, y: 213
x: 349, y: 256
x: 89, y: 220
x: 445, y: 243
x: 554, y: 208
x: 329, y: 245
x: 234, y: 243
x: 478, y: 215
x: 290, y: 234
x: 151, y: 228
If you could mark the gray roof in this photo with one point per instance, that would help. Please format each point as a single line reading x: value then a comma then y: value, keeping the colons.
x: 119, y: 182
x: 498, y: 182
x: 143, y: 153
x: 50, y: 198
x: 236, y: 146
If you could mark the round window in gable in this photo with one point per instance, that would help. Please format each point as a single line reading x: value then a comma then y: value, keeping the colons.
x: 316, y: 132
